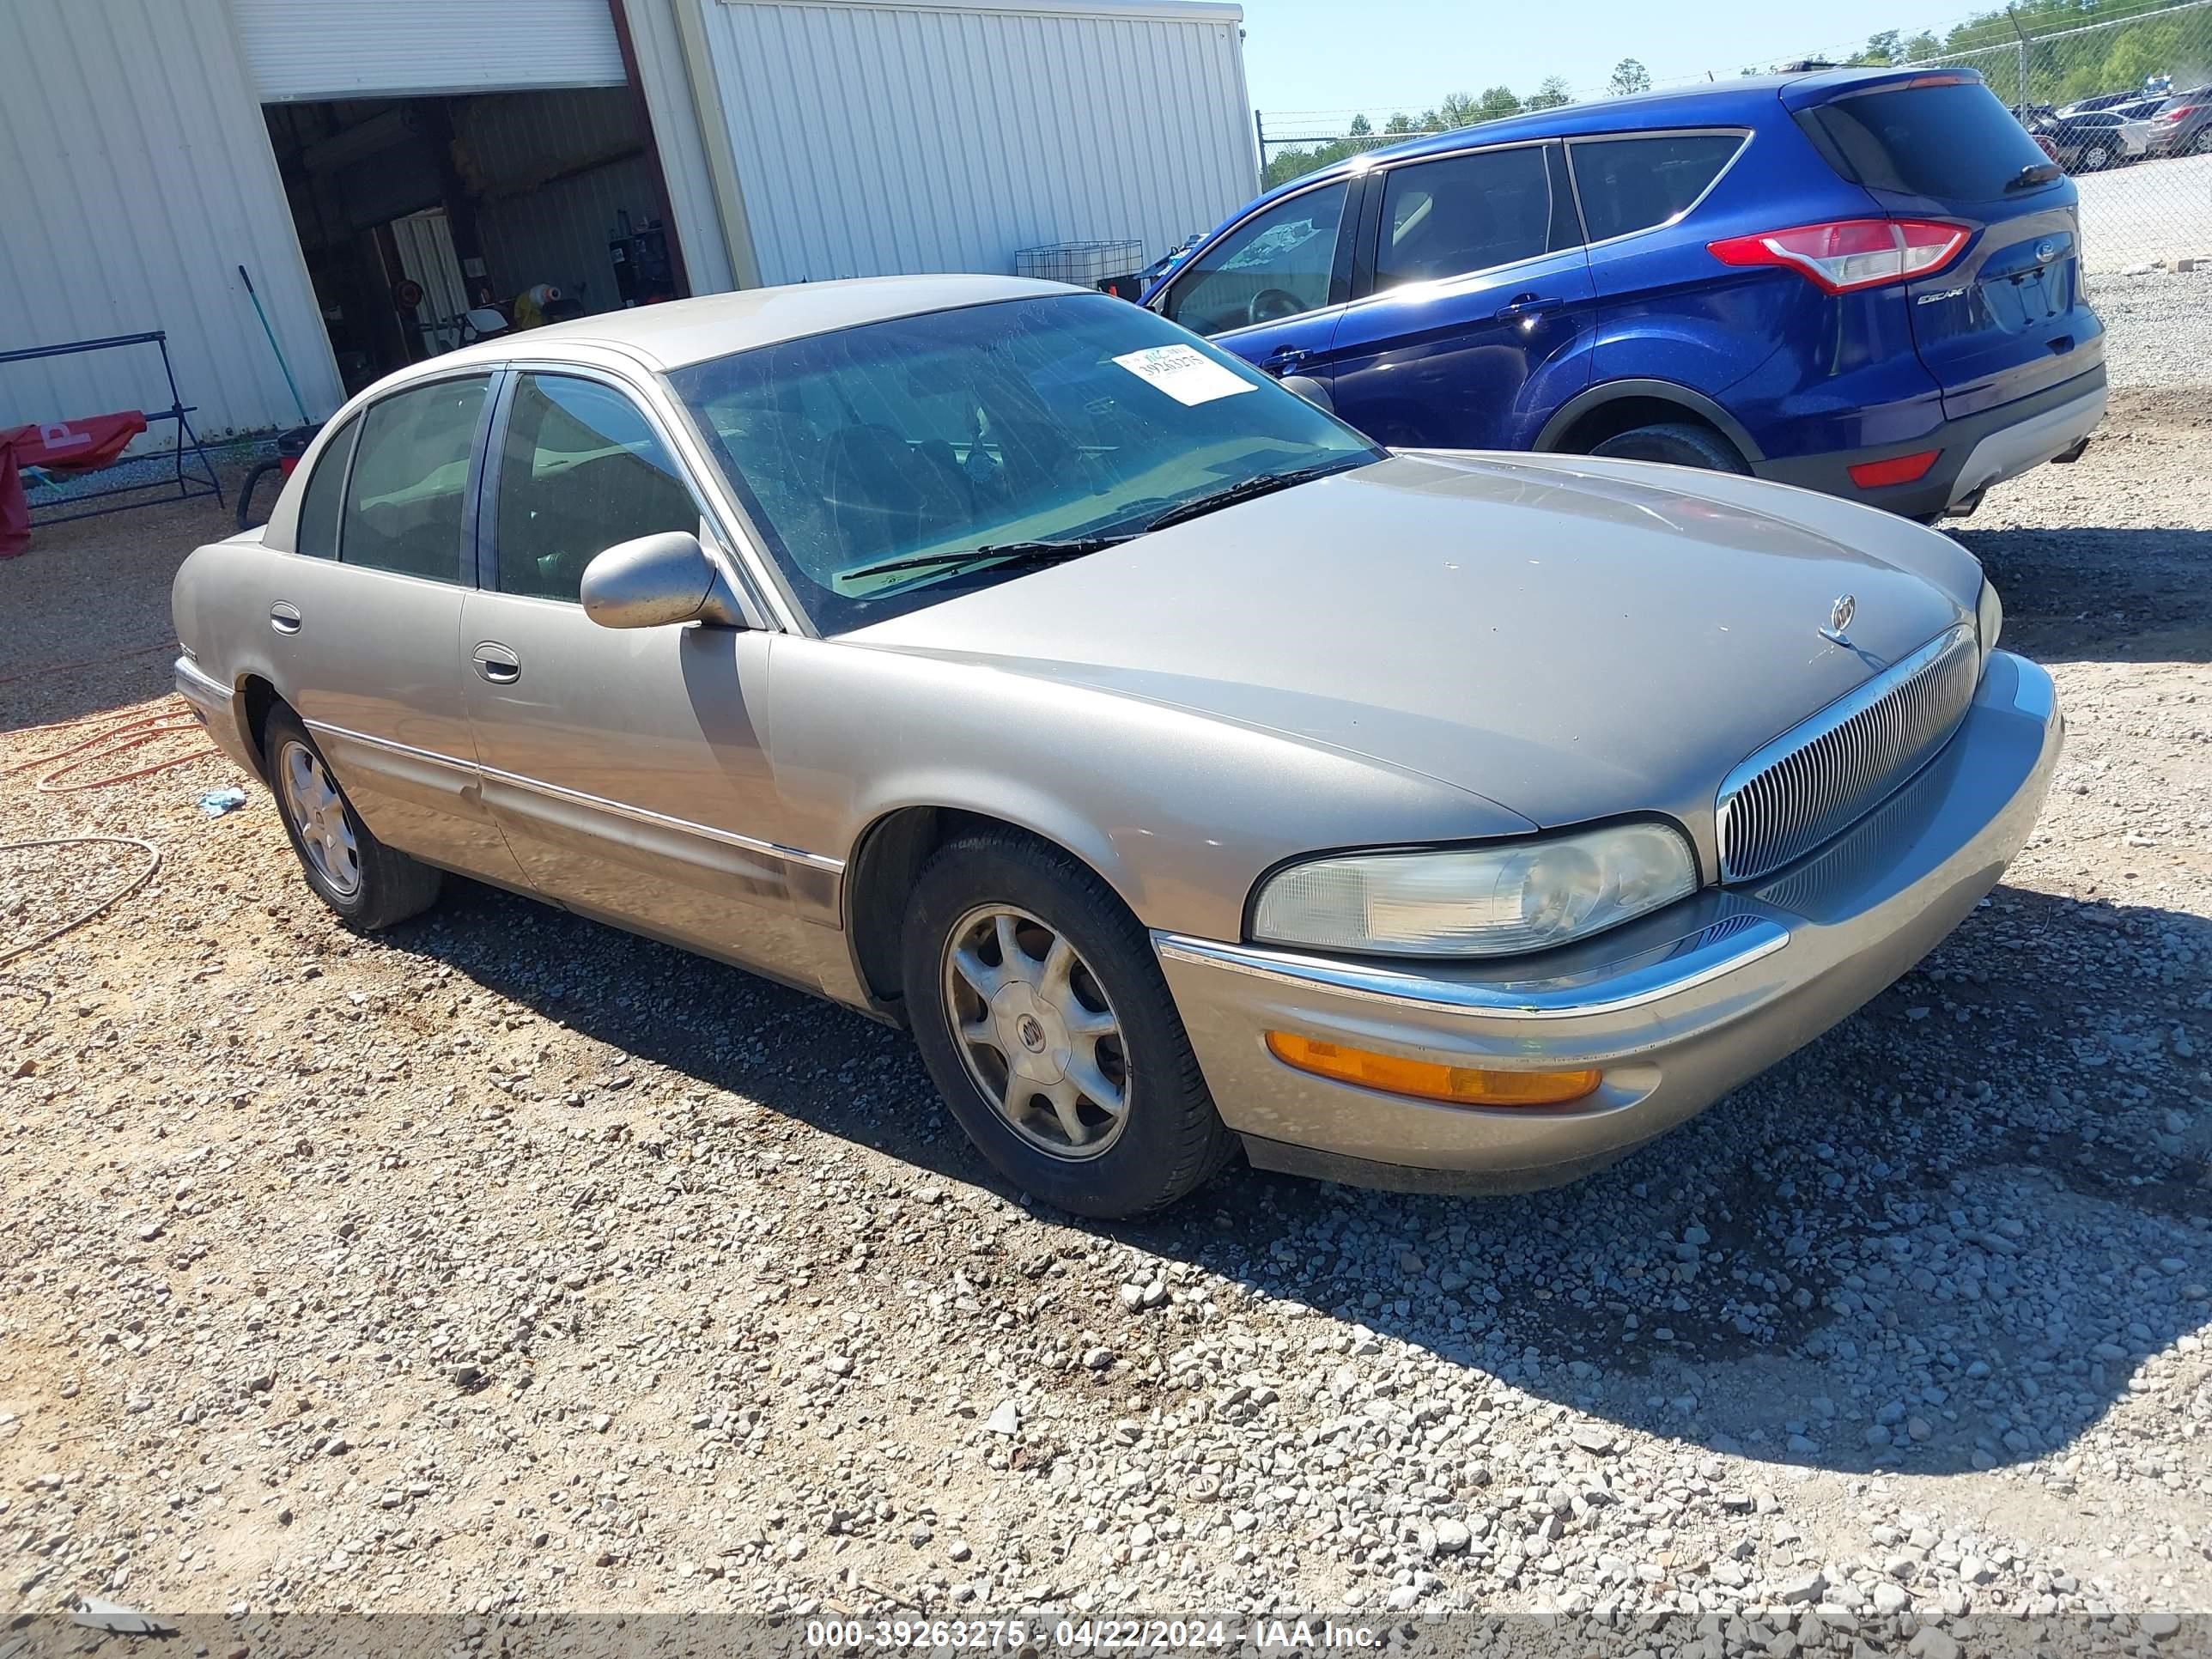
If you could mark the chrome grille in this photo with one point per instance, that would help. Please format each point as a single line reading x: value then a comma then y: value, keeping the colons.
x: 1821, y: 777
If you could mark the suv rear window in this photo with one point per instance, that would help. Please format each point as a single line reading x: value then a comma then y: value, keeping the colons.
x: 1955, y: 142
x: 1633, y: 184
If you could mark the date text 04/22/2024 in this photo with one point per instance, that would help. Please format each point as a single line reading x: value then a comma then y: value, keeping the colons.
x: 1088, y: 1635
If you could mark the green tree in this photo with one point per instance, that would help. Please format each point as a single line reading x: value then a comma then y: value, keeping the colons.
x: 1551, y: 93
x: 1497, y: 103
x: 1360, y: 128
x: 1629, y: 75
x: 1885, y: 47
x: 1400, y: 122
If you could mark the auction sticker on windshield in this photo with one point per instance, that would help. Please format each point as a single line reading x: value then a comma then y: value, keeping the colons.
x: 1184, y: 372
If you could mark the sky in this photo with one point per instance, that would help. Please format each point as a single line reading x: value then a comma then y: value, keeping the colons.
x: 1377, y: 56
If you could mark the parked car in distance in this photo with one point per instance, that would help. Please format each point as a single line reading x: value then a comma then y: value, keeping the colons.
x: 1864, y: 281
x: 2183, y: 125
x: 2102, y: 100
x: 1001, y: 661
x: 2099, y: 139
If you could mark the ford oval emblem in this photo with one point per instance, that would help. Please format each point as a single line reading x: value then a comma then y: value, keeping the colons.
x: 2045, y: 251
x: 1839, y: 618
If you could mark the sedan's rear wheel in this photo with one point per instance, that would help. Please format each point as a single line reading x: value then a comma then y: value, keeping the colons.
x: 1045, y: 1023
x: 2096, y: 159
x: 351, y: 870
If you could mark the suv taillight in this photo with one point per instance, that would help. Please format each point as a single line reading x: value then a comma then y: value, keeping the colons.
x: 1845, y: 254
x: 2176, y: 114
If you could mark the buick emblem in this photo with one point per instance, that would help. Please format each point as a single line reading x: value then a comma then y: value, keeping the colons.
x: 1839, y: 618
x: 1030, y: 1031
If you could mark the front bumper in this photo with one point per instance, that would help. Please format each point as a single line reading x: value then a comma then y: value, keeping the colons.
x: 1978, y: 450
x: 1675, y: 1010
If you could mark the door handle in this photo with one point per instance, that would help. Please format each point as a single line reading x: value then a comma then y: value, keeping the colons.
x: 1529, y: 305
x: 283, y: 617
x: 1284, y: 359
x: 496, y: 663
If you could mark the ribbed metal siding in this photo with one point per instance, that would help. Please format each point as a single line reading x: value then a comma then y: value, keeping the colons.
x: 663, y: 79
x: 1815, y: 780
x: 875, y: 139
x: 297, y: 49
x: 137, y: 178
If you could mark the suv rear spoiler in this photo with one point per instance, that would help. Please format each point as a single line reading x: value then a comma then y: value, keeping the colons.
x: 1829, y: 85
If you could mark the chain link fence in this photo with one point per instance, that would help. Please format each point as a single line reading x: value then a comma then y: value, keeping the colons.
x: 2124, y: 103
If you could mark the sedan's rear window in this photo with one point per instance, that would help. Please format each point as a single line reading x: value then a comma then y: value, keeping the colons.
x: 1954, y: 142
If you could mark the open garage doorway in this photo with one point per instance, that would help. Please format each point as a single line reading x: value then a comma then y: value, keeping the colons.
x: 413, y: 212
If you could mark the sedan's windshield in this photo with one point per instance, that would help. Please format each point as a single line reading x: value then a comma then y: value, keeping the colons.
x: 897, y: 464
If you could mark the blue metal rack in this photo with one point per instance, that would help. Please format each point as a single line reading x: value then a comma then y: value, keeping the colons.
x: 179, y: 485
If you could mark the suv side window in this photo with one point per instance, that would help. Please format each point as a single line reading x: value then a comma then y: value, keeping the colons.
x: 1466, y: 213
x: 316, y: 535
x: 410, y: 477
x: 1272, y: 266
x: 1632, y: 184
x: 581, y: 469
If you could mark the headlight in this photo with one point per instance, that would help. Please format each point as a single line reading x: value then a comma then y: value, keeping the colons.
x: 1989, y: 617
x: 1483, y: 901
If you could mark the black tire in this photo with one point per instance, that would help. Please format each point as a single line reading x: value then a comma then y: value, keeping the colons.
x: 1678, y: 443
x: 389, y: 886
x: 1171, y: 1140
x: 262, y: 473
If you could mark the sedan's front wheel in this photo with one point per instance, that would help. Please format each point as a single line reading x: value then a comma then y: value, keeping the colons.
x: 1045, y: 1023
x: 351, y: 870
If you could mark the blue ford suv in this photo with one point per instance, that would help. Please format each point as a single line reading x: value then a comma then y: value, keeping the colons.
x: 1864, y: 281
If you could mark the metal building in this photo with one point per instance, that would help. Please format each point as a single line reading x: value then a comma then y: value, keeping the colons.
x: 379, y: 166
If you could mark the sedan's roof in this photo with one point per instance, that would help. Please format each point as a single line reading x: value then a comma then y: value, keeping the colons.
x: 684, y: 332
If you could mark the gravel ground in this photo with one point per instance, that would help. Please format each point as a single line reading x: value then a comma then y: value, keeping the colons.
x: 504, y: 1263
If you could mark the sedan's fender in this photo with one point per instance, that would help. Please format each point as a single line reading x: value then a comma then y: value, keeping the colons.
x: 1179, y: 811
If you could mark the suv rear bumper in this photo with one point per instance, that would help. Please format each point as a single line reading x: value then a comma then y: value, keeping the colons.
x: 1978, y: 450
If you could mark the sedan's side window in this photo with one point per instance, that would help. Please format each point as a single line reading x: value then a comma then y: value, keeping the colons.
x: 1272, y: 266
x: 410, y: 475
x: 1464, y: 213
x: 316, y: 535
x: 581, y: 469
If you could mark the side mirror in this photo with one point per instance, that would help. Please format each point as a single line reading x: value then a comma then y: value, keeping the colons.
x: 656, y: 581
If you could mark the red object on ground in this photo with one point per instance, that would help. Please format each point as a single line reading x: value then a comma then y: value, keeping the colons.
x: 82, y: 446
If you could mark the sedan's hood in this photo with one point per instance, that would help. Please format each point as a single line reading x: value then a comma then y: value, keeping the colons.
x: 1569, y: 637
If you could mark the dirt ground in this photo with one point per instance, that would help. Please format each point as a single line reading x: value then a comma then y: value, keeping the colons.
x: 504, y: 1262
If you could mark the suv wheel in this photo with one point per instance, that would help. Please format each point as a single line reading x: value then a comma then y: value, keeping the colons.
x: 1046, y: 1025
x: 1675, y: 443
x: 2096, y: 158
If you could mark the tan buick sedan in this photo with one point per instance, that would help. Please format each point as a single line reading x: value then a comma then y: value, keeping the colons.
x: 1000, y: 660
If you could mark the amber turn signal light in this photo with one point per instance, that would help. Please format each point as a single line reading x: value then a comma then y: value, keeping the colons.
x: 1456, y: 1085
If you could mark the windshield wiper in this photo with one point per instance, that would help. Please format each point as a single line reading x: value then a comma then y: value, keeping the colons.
x: 1266, y: 484
x: 1025, y: 554
x: 2035, y: 173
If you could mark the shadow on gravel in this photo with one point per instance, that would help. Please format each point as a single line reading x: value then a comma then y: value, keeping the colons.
x: 1945, y: 1235
x: 2101, y: 595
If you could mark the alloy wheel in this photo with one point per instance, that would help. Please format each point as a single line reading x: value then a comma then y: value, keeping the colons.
x: 318, y: 812
x: 1037, y: 1031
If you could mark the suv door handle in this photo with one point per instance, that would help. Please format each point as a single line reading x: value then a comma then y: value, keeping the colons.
x: 284, y: 617
x: 496, y: 663
x: 1529, y: 305
x: 1283, y: 359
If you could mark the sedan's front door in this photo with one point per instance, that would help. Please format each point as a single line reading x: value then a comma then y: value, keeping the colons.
x: 626, y: 765
x: 1472, y: 315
